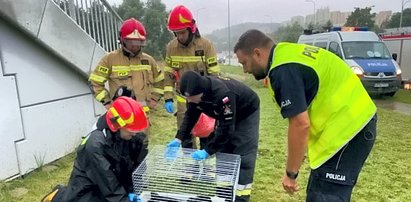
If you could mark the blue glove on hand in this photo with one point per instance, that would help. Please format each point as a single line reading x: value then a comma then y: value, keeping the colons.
x: 172, y: 149
x: 199, y: 155
x: 133, y: 197
x: 169, y: 106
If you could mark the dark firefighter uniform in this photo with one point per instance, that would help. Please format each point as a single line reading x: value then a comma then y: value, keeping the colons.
x: 236, y: 109
x: 199, y: 55
x: 103, y: 167
x: 139, y: 73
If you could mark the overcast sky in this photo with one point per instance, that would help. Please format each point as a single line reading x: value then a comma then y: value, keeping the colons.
x: 212, y: 14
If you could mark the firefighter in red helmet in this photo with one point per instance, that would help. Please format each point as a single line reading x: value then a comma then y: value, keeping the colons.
x: 187, y: 51
x: 129, y: 66
x: 106, y: 157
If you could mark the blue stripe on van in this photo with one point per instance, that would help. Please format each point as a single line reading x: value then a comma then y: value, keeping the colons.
x: 376, y: 65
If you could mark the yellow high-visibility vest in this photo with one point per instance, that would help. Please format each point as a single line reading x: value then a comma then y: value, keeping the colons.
x: 342, y: 106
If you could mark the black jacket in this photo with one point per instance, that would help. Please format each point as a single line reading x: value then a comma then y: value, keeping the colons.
x: 229, y: 102
x: 103, y: 167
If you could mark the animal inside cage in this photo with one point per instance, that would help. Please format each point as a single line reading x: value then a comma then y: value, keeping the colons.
x: 179, y: 178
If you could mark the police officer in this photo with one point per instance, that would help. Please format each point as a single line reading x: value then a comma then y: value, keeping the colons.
x: 236, y: 109
x: 129, y: 66
x: 106, y: 157
x: 188, y: 51
x: 329, y: 112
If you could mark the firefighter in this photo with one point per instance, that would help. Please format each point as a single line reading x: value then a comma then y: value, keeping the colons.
x: 187, y: 51
x: 328, y: 110
x: 129, y: 66
x: 236, y: 109
x: 106, y: 157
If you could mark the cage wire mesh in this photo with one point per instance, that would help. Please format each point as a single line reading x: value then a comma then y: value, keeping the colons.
x: 179, y: 178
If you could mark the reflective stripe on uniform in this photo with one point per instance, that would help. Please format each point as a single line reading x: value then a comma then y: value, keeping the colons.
x: 100, y: 97
x: 103, y: 70
x: 181, y: 99
x: 97, y: 78
x: 243, y: 190
x: 140, y: 67
x: 121, y: 70
x: 157, y: 90
x: 168, y: 60
x: 118, y: 68
x: 159, y: 78
x: 214, y: 69
x: 168, y: 89
x: 186, y: 58
x: 168, y: 69
x: 212, y: 60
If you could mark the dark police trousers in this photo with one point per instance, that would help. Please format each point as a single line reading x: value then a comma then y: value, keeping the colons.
x: 335, y: 179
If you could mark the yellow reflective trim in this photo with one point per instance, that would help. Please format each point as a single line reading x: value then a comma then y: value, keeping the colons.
x: 157, y: 90
x: 159, y: 78
x: 175, y: 64
x: 181, y: 99
x: 97, y: 78
x: 168, y: 60
x: 211, y: 60
x: 146, y: 109
x: 214, y: 69
x: 168, y: 89
x: 140, y: 67
x: 183, y: 20
x: 119, y: 120
x: 100, y: 97
x: 120, y: 68
x: 168, y: 69
x: 186, y: 58
x: 244, y: 192
x: 103, y: 70
x: 130, y: 120
x: 85, y: 139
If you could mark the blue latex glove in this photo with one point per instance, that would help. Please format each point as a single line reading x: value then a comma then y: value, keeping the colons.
x: 172, y: 149
x: 133, y: 197
x: 175, y: 143
x: 199, y: 155
x: 169, y: 106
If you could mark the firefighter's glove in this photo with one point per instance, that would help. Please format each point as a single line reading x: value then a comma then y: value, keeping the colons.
x: 172, y: 149
x: 199, y: 155
x: 133, y: 197
x: 169, y: 106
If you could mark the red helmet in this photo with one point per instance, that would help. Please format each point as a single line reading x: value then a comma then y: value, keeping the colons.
x: 133, y: 29
x: 128, y: 113
x: 181, y: 18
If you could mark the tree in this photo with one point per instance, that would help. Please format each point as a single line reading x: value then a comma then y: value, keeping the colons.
x: 131, y: 9
x: 361, y: 17
x: 328, y: 25
x: 155, y: 21
x: 394, y: 22
x: 289, y: 33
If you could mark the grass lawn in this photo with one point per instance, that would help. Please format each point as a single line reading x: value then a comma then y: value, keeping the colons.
x: 385, y: 177
x: 403, y: 96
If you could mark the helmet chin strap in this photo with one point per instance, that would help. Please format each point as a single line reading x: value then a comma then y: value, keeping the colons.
x: 188, y: 41
x: 130, y: 52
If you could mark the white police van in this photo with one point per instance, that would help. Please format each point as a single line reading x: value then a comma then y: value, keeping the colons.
x: 365, y: 53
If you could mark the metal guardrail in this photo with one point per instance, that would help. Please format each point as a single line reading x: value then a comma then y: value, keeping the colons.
x: 97, y: 18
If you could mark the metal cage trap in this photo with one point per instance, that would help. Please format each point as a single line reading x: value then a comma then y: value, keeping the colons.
x: 179, y: 178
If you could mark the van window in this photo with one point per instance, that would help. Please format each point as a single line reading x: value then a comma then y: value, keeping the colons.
x: 335, y: 48
x: 365, y: 50
x: 321, y: 44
